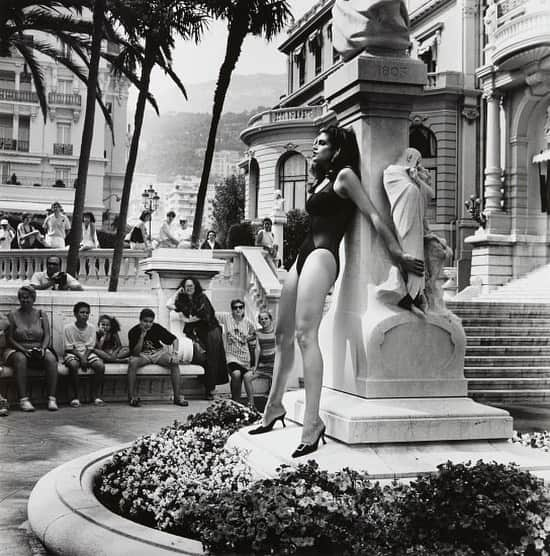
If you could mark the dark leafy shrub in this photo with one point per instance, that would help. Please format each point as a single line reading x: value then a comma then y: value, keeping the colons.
x: 240, y: 234
x: 295, y: 230
x: 488, y: 508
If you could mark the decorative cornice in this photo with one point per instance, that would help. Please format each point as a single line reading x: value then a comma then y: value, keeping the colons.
x: 426, y: 10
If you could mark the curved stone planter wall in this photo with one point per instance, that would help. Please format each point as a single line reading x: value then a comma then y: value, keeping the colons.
x: 68, y: 519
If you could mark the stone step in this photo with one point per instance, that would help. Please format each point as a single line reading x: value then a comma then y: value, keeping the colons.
x: 515, y: 384
x: 517, y: 331
x: 507, y: 372
x: 526, y: 340
x: 511, y: 396
x: 508, y: 361
x: 508, y: 351
x: 497, y: 321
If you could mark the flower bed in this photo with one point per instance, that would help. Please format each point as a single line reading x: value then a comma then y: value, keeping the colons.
x: 182, y: 480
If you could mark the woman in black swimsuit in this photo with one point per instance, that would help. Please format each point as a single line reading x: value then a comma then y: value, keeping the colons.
x: 335, y: 195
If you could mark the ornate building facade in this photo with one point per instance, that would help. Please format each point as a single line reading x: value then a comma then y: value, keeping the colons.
x: 454, y: 123
x: 39, y: 158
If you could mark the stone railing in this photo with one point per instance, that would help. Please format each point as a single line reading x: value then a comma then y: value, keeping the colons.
x: 261, y: 286
x: 94, y: 270
x: 15, y: 95
x: 307, y: 113
x: 66, y: 99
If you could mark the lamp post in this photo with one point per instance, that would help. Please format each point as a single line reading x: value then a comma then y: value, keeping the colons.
x: 150, y: 201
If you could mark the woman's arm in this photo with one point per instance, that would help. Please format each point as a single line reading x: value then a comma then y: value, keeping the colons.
x: 46, y: 329
x: 348, y: 185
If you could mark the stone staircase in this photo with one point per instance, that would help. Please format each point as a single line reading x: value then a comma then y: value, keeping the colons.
x: 508, y: 341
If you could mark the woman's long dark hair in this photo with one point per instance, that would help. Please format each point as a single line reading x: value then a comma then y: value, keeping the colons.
x: 344, y: 142
x: 115, y: 325
x: 182, y: 302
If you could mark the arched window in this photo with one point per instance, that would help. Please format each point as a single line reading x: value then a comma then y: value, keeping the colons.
x: 423, y: 139
x: 293, y: 180
x: 253, y: 187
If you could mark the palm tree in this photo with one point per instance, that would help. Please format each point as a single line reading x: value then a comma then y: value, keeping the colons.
x: 87, y: 136
x: 257, y: 17
x: 56, y: 20
x: 152, y: 26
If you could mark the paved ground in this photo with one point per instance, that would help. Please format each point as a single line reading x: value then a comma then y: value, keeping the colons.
x: 33, y: 444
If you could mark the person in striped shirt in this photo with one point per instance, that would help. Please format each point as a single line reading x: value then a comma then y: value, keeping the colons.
x: 239, y: 335
x: 265, y: 351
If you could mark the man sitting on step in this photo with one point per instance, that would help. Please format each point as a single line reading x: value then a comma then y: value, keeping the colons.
x: 150, y: 343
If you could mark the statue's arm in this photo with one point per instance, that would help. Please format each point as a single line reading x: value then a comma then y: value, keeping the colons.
x: 348, y: 185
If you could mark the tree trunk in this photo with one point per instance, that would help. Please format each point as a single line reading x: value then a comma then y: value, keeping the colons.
x: 87, y: 139
x: 232, y: 52
x: 146, y: 69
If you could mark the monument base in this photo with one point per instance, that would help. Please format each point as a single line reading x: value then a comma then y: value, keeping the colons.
x: 383, y: 462
x: 356, y: 420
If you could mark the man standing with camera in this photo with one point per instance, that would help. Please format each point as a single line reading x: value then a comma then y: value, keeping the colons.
x: 53, y: 278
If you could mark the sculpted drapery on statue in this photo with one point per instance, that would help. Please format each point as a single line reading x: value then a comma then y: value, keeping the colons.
x: 380, y: 27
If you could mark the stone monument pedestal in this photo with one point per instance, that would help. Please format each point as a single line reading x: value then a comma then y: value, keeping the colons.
x: 394, y: 398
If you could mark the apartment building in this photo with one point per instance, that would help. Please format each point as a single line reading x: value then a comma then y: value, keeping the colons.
x: 39, y: 158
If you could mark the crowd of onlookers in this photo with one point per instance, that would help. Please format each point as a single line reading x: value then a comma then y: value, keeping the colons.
x: 227, y: 344
x: 54, y: 231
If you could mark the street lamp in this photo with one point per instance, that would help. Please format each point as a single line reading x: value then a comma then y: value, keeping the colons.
x: 473, y: 206
x: 150, y: 201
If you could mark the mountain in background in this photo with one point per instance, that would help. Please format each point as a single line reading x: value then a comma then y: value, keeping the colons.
x: 245, y: 92
x: 174, y: 143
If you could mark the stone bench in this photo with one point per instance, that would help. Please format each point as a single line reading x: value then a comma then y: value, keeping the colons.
x: 154, y: 381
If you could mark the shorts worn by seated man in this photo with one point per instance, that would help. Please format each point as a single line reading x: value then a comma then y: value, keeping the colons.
x: 155, y: 344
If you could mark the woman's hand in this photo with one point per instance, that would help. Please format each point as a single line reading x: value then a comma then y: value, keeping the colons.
x: 411, y: 265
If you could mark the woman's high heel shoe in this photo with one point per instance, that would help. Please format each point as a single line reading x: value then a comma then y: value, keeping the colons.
x: 304, y: 449
x: 266, y: 428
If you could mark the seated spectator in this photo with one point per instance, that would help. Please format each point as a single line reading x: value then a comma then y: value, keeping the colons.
x: 266, y: 239
x: 138, y: 235
x: 167, y: 235
x: 78, y: 343
x: 28, y: 237
x: 6, y: 235
x: 202, y: 326
x: 108, y: 345
x: 210, y: 241
x: 240, y: 344
x: 184, y: 235
x: 53, y: 278
x: 57, y: 225
x: 265, y: 352
x: 28, y: 340
x: 150, y: 343
x: 89, y: 233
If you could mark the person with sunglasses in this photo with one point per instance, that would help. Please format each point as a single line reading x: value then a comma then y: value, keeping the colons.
x: 239, y: 334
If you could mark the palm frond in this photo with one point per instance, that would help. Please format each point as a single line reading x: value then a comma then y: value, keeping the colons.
x: 37, y: 75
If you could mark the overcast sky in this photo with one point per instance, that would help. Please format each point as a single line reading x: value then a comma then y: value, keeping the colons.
x: 200, y: 63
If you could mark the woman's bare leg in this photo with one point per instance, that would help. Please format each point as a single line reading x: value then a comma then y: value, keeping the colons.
x: 317, y: 277
x: 284, y: 346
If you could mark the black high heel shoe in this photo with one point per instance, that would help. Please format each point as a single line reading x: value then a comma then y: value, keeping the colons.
x: 266, y: 428
x: 304, y: 449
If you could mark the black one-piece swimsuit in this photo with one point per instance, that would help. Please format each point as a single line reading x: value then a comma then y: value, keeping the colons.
x: 330, y: 216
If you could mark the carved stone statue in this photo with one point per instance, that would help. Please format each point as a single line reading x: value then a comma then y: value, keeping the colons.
x: 436, y: 252
x: 278, y: 204
x: 381, y: 27
x: 490, y: 19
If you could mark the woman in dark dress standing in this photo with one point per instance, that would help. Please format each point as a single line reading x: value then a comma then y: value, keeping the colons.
x: 202, y: 326
x: 335, y: 195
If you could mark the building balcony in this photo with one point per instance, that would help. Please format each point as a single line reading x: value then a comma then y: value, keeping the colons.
x: 14, y: 145
x: 14, y: 95
x: 521, y: 25
x: 28, y: 198
x: 444, y: 80
x: 63, y: 149
x: 64, y: 99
